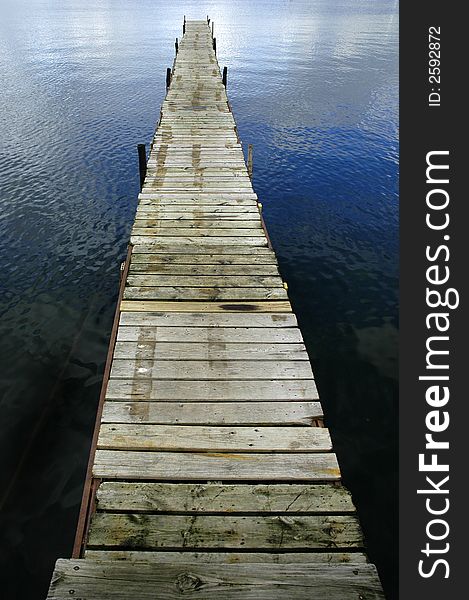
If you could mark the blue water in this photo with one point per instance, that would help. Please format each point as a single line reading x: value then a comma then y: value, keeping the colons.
x: 314, y: 87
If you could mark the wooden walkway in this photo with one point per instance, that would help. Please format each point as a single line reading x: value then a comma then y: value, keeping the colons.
x: 213, y: 475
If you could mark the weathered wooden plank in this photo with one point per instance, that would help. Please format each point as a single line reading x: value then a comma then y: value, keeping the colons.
x: 241, y: 261
x: 219, y: 281
x: 198, y: 261
x: 148, y: 349
x: 237, y: 532
x: 176, y: 161
x: 202, y: 224
x: 275, y: 306
x: 215, y: 466
x: 202, y: 251
x: 121, y: 580
x: 220, y: 270
x: 213, y: 413
x: 183, y: 231
x: 202, y: 242
x: 196, y: 199
x: 199, y: 438
x: 260, y: 339
x: 230, y: 558
x: 219, y: 215
x: 206, y: 369
x: 211, y: 390
x: 214, y: 293
x: 212, y: 319
x: 223, y: 498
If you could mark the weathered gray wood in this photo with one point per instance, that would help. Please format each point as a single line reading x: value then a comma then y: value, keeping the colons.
x: 256, y: 340
x: 213, y: 293
x: 139, y: 531
x: 207, y: 240
x: 204, y: 232
x: 220, y: 281
x: 122, y: 580
x: 201, y: 249
x: 222, y: 498
x: 211, y: 350
x: 211, y: 391
x: 233, y: 306
x: 216, y: 369
x: 215, y: 466
x: 211, y: 319
x: 199, y: 438
x: 230, y: 558
x: 220, y: 216
x: 213, y: 413
x: 162, y: 225
x: 200, y: 260
x: 152, y: 268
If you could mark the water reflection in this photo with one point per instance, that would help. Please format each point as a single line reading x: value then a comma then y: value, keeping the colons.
x: 313, y: 85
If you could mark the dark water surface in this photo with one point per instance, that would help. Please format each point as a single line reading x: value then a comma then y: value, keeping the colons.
x: 313, y: 85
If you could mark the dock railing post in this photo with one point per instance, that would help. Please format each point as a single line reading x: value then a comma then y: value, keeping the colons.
x: 213, y: 28
x: 142, y: 163
x: 250, y: 161
x: 168, y: 77
x: 225, y: 72
x: 215, y: 45
x: 176, y: 45
x: 184, y: 26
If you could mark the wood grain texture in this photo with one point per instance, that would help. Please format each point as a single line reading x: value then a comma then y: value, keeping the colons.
x: 214, y: 281
x: 196, y: 390
x: 223, y: 498
x: 212, y: 320
x: 210, y: 369
x: 213, y: 413
x: 215, y: 466
x: 139, y: 531
x: 200, y: 438
x: 231, y: 558
x: 215, y: 293
x: 122, y: 580
x: 268, y: 337
x: 234, y: 306
x: 145, y: 348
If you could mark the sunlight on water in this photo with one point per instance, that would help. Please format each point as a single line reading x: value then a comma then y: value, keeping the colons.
x: 313, y: 85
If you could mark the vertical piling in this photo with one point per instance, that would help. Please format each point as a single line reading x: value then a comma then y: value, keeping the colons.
x: 225, y: 73
x: 176, y: 45
x: 250, y: 161
x: 142, y: 163
x: 168, y: 77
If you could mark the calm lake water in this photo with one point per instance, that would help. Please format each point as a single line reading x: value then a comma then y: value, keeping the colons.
x: 314, y: 87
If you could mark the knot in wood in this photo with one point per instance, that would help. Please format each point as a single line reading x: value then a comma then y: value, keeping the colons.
x: 186, y: 582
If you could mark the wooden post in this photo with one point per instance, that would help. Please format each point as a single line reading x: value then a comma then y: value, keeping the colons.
x: 176, y: 45
x: 225, y: 72
x: 142, y: 163
x: 208, y: 20
x: 250, y: 161
x: 168, y: 77
x: 184, y: 26
x: 213, y: 27
x: 215, y: 44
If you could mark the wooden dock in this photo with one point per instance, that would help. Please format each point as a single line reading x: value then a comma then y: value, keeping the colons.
x: 211, y: 473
